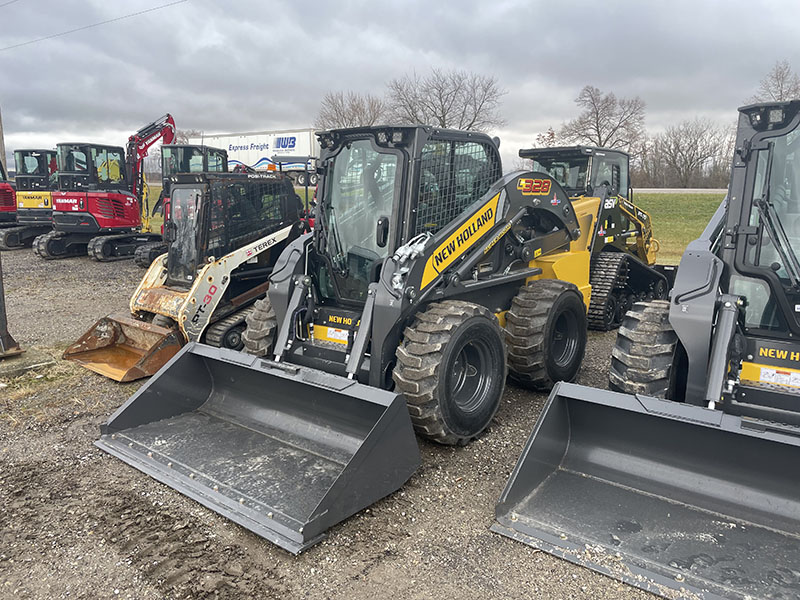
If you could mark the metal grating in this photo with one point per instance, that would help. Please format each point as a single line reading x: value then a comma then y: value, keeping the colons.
x: 453, y: 176
x: 242, y: 212
x: 6, y: 198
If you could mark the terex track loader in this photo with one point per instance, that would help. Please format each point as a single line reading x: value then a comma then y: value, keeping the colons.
x: 37, y: 177
x: 225, y: 232
x: 623, y: 247
x: 425, y: 270
x: 100, y: 208
x: 178, y: 158
x: 687, y: 483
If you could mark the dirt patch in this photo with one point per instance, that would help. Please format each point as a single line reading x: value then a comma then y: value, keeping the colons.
x: 77, y: 523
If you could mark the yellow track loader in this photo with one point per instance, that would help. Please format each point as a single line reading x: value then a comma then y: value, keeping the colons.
x: 225, y: 232
x: 683, y: 480
x: 428, y: 277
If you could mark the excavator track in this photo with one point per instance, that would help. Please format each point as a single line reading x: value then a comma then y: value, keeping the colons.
x: 13, y: 238
x: 107, y: 248
x: 53, y: 245
x: 217, y: 332
x: 147, y: 253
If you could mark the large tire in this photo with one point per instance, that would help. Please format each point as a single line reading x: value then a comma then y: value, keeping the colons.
x: 644, y: 357
x: 546, y: 334
x: 451, y: 367
x: 259, y: 335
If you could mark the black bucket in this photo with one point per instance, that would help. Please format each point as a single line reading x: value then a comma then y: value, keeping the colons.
x: 284, y: 451
x: 675, y: 499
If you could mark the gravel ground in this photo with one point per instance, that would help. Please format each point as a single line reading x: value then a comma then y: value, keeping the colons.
x: 77, y: 523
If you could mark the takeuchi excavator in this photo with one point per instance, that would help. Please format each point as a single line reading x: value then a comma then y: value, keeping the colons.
x: 101, y: 206
x: 683, y: 480
x: 36, y: 178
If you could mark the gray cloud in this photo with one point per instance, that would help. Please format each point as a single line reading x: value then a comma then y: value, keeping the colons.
x: 260, y: 65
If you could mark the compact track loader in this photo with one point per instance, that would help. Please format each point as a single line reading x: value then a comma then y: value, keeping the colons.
x: 427, y: 277
x: 225, y: 232
x: 684, y: 480
x: 36, y: 179
x: 624, y: 269
x: 175, y: 159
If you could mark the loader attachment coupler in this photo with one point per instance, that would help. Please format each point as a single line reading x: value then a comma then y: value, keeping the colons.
x: 283, y: 450
x: 123, y: 348
x: 675, y: 499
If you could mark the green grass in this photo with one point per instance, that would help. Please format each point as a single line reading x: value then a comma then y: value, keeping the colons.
x: 677, y: 219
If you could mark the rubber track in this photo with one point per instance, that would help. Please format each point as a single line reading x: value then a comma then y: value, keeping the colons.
x: 147, y: 253
x: 644, y: 351
x: 607, y: 273
x: 95, y: 248
x: 216, y: 333
x: 6, y: 234
x: 42, y: 243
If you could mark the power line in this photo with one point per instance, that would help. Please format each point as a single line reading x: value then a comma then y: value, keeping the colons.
x: 55, y: 35
x: 7, y: 3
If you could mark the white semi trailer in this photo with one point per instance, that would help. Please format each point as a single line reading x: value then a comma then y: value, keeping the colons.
x: 259, y: 149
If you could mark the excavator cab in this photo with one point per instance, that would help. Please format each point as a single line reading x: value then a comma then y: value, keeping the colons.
x: 682, y: 480
x: 8, y: 204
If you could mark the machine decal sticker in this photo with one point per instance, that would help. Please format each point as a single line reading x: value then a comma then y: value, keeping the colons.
x: 460, y: 240
x: 534, y: 187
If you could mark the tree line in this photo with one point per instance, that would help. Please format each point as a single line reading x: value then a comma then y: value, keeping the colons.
x: 695, y: 152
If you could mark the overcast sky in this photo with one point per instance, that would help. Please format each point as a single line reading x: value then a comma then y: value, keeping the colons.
x: 255, y: 65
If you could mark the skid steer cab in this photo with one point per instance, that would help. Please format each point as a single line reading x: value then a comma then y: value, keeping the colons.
x: 429, y: 276
x: 225, y: 232
x: 686, y: 471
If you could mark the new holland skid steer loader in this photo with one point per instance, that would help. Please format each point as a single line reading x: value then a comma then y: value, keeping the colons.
x: 391, y: 313
x: 687, y: 483
x: 225, y: 232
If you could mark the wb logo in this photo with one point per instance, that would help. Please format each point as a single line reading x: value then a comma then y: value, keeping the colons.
x: 285, y: 142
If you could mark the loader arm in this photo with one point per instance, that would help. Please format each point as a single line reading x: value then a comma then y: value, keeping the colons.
x: 193, y: 309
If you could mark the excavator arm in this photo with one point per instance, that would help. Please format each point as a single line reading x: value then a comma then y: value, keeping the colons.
x: 162, y: 129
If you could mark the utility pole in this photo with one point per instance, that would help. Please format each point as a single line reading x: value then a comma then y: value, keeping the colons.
x: 2, y: 144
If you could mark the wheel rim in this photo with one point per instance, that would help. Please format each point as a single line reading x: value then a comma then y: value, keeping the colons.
x: 611, y: 310
x: 233, y: 339
x: 564, y: 341
x: 469, y: 377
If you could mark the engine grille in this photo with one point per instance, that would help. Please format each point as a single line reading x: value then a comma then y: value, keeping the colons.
x: 6, y: 198
x: 110, y: 208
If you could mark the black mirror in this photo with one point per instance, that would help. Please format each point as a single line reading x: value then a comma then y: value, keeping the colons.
x: 382, y: 231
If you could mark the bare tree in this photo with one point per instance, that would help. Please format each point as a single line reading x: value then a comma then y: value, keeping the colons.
x: 780, y: 84
x: 546, y: 139
x: 456, y: 99
x: 182, y: 135
x: 340, y: 109
x: 688, y: 147
x: 606, y: 120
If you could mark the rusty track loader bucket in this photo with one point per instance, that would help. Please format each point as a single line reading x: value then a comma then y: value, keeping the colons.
x: 675, y: 499
x: 285, y: 451
x: 123, y: 348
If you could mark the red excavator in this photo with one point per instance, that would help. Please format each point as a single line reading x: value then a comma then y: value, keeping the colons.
x: 8, y: 203
x: 102, y: 201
